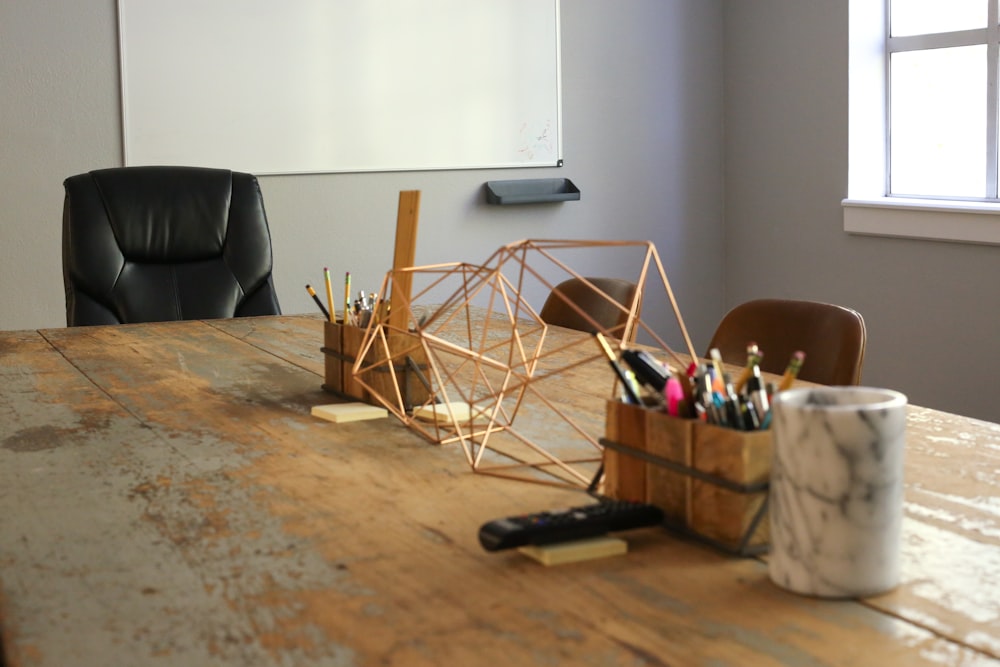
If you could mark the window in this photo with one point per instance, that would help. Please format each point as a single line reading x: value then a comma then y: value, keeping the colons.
x: 923, y: 124
x: 941, y: 57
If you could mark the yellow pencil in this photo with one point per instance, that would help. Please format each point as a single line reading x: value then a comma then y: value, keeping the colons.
x: 792, y: 370
x: 322, y: 308
x: 329, y: 294
x: 754, y: 355
x: 347, y: 297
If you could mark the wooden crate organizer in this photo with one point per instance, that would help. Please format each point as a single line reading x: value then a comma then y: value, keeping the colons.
x: 711, y: 482
x: 341, y: 345
x: 340, y: 349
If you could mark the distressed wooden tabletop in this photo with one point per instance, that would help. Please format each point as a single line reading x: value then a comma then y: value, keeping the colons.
x: 167, y: 499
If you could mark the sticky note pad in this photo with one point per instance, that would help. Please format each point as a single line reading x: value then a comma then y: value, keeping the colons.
x: 438, y: 412
x: 348, y: 412
x: 579, y: 550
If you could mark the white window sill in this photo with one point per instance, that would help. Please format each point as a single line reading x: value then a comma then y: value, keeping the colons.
x: 959, y: 222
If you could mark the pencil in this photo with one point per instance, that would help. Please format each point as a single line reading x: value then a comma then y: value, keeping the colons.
x: 792, y: 370
x: 319, y: 303
x: 616, y: 367
x: 754, y: 355
x: 332, y: 314
x: 347, y: 297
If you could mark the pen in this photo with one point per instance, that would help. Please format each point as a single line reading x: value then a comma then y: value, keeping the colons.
x: 705, y: 407
x: 613, y: 360
x: 647, y: 369
x: 751, y: 420
x: 319, y: 303
x: 730, y: 403
x: 332, y: 314
x: 757, y: 393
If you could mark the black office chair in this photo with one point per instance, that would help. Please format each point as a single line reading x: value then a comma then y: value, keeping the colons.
x: 607, y: 305
x: 833, y: 338
x: 151, y: 244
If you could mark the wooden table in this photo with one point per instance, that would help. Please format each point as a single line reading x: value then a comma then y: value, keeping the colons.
x: 166, y: 499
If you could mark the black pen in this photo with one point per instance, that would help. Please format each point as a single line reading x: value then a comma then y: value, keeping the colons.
x: 647, y: 369
x: 757, y: 393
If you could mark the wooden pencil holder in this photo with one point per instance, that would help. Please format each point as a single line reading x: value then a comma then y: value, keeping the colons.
x: 710, y: 481
x: 341, y: 346
x: 340, y: 349
x: 408, y: 365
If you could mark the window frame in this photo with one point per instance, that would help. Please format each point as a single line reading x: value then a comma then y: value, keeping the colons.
x: 869, y: 209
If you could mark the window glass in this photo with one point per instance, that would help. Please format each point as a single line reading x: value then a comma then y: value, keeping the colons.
x: 918, y: 17
x: 938, y: 121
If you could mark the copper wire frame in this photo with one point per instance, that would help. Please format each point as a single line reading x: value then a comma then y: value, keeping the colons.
x: 482, y: 349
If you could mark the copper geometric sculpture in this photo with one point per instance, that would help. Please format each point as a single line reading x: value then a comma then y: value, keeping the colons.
x: 473, y: 368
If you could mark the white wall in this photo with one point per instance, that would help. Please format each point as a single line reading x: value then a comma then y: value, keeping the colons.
x: 931, y: 308
x: 644, y: 140
x: 642, y: 122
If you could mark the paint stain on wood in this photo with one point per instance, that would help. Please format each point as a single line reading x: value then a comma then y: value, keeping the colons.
x: 37, y: 438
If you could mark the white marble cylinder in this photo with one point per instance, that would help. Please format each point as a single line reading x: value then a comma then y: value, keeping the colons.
x: 836, y: 497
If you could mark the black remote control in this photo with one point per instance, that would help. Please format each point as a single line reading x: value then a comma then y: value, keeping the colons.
x: 575, y: 523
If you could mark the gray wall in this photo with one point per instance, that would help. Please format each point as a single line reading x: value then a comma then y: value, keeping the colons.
x: 715, y: 128
x: 931, y: 308
x: 642, y: 133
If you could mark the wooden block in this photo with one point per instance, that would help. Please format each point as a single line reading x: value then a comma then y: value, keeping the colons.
x: 741, y: 457
x: 574, y: 552
x: 352, y: 337
x: 348, y: 412
x: 669, y: 438
x: 624, y: 475
x: 333, y: 375
x: 341, y: 344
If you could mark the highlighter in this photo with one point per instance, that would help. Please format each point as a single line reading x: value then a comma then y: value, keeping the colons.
x: 673, y: 392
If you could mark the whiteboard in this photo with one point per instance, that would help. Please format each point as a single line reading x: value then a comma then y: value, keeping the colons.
x: 340, y: 85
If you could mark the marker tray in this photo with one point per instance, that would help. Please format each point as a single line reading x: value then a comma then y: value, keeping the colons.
x: 531, y: 191
x: 710, y: 481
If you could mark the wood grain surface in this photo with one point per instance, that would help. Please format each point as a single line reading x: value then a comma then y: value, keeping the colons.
x: 167, y: 499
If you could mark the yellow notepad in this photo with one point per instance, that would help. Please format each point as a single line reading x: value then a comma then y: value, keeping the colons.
x: 572, y: 552
x: 348, y: 412
x: 438, y: 412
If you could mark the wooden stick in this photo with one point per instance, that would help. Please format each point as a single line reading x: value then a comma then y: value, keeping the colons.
x: 403, y: 257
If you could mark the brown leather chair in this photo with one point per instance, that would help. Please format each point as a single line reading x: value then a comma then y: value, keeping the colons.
x: 833, y: 338
x: 607, y: 305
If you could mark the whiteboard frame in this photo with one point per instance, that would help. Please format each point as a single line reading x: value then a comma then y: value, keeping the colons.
x: 201, y: 143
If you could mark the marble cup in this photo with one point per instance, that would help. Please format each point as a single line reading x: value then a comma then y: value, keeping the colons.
x: 836, y: 496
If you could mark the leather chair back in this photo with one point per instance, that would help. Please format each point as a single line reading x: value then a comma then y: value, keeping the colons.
x: 601, y: 308
x: 150, y: 244
x: 833, y: 338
